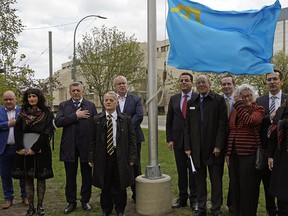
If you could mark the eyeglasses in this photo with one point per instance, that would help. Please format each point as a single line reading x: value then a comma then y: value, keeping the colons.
x: 272, y: 78
x: 246, y: 96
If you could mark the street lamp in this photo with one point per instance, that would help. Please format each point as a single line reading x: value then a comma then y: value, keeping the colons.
x: 73, y: 74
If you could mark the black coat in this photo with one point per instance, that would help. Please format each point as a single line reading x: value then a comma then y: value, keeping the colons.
x: 202, y: 138
x: 76, y: 132
x: 279, y: 177
x: 40, y: 164
x: 175, y: 121
x: 126, y: 149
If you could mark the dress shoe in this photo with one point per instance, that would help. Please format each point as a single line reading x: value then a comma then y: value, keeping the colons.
x: 30, y: 211
x: 194, y: 206
x: 199, y: 213
x: 179, y: 203
x: 70, y: 207
x: 105, y: 214
x: 40, y: 210
x: 7, y: 204
x: 25, y: 201
x: 133, y: 198
x: 86, y: 206
x: 230, y: 209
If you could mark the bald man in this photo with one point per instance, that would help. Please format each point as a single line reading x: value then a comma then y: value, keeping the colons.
x: 8, y: 114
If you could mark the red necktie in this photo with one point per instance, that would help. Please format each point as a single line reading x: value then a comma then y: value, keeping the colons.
x: 184, y: 105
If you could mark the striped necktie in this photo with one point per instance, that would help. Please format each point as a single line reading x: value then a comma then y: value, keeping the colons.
x: 271, y: 110
x: 110, y: 148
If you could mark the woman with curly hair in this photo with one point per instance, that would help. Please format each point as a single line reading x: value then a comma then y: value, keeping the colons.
x: 243, y: 141
x: 34, y: 126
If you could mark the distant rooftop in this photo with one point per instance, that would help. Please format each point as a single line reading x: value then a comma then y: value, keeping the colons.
x: 283, y: 15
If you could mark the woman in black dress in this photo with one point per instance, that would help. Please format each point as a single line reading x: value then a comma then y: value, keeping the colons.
x: 35, y: 161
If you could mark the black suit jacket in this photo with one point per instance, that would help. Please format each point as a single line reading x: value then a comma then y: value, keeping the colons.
x: 175, y: 121
x: 264, y: 101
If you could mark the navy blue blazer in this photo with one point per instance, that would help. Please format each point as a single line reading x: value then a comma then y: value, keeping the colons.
x: 133, y: 108
x: 4, y: 129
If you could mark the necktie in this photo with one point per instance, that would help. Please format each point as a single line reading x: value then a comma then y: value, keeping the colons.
x: 228, y: 106
x: 76, y: 104
x: 110, y: 148
x: 201, y: 107
x: 184, y: 106
x: 271, y: 110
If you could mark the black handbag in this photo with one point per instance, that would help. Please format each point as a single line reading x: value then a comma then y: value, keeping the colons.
x: 260, y: 159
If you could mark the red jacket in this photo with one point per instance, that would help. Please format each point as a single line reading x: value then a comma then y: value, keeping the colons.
x: 244, y: 127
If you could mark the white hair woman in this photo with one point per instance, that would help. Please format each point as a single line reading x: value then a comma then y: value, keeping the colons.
x: 243, y: 141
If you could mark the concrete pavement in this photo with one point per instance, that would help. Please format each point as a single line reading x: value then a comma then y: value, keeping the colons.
x: 161, y: 122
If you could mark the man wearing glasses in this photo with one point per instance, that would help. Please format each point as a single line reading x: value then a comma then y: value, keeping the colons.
x: 270, y: 102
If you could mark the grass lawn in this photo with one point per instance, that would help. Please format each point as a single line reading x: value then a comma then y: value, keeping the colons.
x: 55, y: 203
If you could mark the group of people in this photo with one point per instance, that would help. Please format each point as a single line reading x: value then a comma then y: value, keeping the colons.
x: 107, y: 144
x: 204, y: 127
x: 209, y: 128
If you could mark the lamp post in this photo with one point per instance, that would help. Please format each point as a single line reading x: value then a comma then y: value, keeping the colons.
x: 73, y: 74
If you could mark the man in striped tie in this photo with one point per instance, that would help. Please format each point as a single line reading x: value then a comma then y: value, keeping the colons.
x: 270, y: 102
x: 112, y: 155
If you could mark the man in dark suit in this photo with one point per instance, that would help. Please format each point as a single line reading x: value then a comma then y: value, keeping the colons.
x: 274, y: 82
x: 8, y: 115
x: 204, y: 140
x: 228, y: 86
x: 74, y: 115
x: 174, y: 136
x: 131, y: 105
x: 113, y: 154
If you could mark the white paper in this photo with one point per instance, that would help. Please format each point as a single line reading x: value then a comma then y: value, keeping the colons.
x: 192, y: 165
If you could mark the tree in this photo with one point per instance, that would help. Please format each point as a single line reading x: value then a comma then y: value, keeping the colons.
x: 10, y: 26
x: 280, y: 61
x: 106, y: 53
x: 12, y: 77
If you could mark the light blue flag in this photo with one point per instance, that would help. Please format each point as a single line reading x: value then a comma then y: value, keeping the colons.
x: 207, y: 40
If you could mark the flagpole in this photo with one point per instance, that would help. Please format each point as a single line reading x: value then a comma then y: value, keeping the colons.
x: 153, y: 191
x: 153, y: 168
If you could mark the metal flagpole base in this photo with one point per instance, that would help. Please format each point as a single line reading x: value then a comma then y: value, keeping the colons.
x: 153, y: 172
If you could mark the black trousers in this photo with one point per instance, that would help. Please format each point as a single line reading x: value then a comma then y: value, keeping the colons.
x: 282, y: 207
x: 229, y: 196
x: 185, y: 176
x: 112, y: 195
x: 265, y: 176
x: 215, y: 173
x: 245, y: 180
x: 136, y: 169
x: 71, y: 184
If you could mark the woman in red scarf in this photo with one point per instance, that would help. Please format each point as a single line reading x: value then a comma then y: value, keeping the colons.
x: 33, y: 130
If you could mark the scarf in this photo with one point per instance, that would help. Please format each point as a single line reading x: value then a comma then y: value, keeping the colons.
x: 32, y: 116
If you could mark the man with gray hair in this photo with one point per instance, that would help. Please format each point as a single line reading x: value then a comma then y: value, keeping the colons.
x: 204, y: 140
x: 75, y: 116
x: 131, y: 105
x: 112, y: 155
